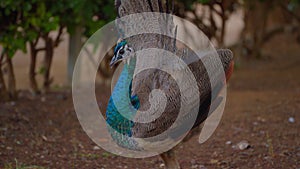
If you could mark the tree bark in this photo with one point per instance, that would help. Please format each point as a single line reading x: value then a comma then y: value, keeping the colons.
x: 32, y: 79
x: 75, y: 44
x: 223, y: 27
x: 11, y: 79
x: 3, y: 91
x: 48, y: 62
x: 255, y: 29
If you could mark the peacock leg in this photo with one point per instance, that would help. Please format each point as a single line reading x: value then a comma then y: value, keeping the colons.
x: 170, y: 159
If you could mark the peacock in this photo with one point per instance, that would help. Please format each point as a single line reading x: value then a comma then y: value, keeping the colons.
x: 131, y: 93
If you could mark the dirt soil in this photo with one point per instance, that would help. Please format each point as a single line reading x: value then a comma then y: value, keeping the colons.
x: 263, y: 108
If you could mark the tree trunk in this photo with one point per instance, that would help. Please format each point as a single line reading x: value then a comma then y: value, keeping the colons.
x: 75, y: 44
x: 48, y: 62
x: 11, y: 79
x: 223, y: 26
x: 3, y: 91
x: 255, y: 29
x: 33, y: 82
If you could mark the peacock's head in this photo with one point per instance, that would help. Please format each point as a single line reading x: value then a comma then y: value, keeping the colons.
x: 122, y: 52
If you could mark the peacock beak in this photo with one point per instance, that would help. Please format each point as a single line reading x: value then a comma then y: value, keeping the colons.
x: 113, y: 61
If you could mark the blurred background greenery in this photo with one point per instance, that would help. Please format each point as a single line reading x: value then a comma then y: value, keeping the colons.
x: 38, y: 27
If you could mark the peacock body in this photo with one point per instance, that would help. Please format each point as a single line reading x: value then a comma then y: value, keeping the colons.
x: 123, y: 104
x: 131, y: 95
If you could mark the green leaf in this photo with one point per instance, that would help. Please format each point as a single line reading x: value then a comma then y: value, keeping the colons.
x: 204, y: 1
x: 42, y: 70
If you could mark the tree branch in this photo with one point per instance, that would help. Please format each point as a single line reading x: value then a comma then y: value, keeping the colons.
x: 283, y: 6
x: 272, y: 32
x: 58, y: 40
x: 160, y: 6
x: 2, y: 56
x: 217, y: 12
x: 37, y: 39
x: 40, y: 49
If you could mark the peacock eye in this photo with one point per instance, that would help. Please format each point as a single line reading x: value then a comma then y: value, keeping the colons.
x: 121, y: 51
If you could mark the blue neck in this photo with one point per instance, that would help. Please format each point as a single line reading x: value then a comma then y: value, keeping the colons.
x: 120, y: 111
x: 121, y: 96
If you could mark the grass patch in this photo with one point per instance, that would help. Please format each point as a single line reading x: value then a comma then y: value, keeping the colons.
x: 18, y: 165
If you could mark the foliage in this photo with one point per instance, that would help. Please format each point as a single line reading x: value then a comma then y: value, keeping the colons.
x: 11, y: 28
x: 23, y: 22
x: 91, y: 14
x: 207, y: 20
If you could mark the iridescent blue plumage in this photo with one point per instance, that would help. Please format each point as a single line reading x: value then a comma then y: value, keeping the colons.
x: 119, y: 45
x: 122, y: 106
x: 116, y: 120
